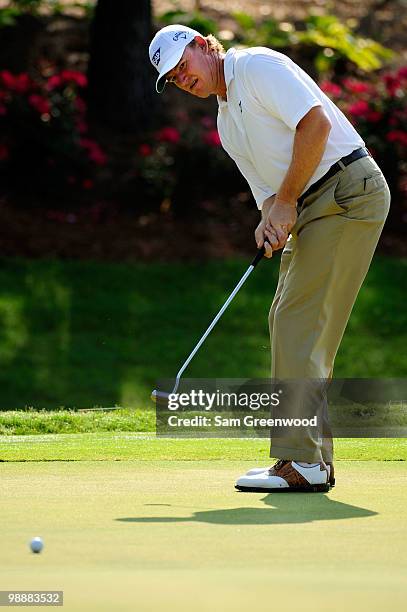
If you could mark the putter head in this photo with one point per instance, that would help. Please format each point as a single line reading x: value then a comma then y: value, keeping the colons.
x: 159, y: 397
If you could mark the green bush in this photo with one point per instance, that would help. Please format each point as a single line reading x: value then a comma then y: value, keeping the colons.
x: 15, y: 8
x: 45, y: 146
x: 325, y: 38
x: 334, y: 40
x: 377, y: 108
x: 186, y: 163
x: 196, y: 20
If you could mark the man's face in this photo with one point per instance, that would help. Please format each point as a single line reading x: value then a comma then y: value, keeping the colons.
x: 195, y: 72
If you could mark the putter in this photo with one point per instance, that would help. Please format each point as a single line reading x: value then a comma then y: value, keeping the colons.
x: 161, y: 395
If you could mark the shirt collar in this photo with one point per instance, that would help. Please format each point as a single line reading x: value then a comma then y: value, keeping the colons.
x: 229, y: 71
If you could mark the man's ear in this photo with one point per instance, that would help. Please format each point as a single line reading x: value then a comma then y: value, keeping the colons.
x: 201, y: 42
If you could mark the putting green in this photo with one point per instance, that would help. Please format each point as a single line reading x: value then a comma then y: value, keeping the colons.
x: 154, y: 535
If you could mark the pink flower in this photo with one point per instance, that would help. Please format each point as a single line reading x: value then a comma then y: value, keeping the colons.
x: 74, y: 76
x: 54, y: 81
x: 145, y: 150
x: 98, y: 156
x: 212, y: 138
x: 168, y: 134
x: 4, y: 152
x: 7, y: 79
x: 94, y: 151
x: 331, y: 88
x: 374, y: 116
x: 402, y: 72
x: 359, y: 109
x: 19, y: 83
x: 357, y: 86
x: 397, y: 136
x: 67, y: 76
x: 392, y: 84
x: 39, y: 103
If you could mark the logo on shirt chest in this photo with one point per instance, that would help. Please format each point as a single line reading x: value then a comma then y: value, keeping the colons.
x: 240, y: 106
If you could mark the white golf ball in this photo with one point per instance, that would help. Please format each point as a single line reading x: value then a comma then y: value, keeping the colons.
x: 36, y: 545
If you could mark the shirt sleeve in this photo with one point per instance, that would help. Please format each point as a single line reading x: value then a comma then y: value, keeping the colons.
x: 279, y: 88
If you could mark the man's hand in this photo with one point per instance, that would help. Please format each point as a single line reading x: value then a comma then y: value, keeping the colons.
x: 278, y: 218
x: 279, y: 222
x: 259, y: 235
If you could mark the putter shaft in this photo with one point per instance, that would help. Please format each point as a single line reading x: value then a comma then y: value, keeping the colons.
x: 259, y: 255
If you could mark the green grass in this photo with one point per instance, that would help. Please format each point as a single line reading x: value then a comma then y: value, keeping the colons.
x: 121, y: 513
x: 83, y: 334
x: 30, y: 422
x: 132, y: 446
x: 384, y: 421
x: 175, y: 535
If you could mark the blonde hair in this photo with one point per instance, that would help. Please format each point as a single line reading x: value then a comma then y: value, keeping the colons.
x: 214, y: 44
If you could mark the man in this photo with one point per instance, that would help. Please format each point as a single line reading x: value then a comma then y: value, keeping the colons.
x: 322, y: 198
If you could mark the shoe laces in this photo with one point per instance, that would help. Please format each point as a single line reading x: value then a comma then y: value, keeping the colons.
x: 279, y: 464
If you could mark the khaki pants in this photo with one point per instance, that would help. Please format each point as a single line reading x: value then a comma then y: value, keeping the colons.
x: 323, y: 266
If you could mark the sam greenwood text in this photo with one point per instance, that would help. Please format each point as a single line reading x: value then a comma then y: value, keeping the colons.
x: 247, y: 421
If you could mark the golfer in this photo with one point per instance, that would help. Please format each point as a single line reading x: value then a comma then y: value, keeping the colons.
x: 322, y: 198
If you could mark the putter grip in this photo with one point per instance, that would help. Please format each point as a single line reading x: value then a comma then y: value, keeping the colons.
x: 259, y: 256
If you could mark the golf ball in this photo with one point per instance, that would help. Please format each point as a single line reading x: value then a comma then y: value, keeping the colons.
x: 36, y: 545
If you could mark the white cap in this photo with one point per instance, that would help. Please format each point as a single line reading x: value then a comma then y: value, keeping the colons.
x: 166, y: 49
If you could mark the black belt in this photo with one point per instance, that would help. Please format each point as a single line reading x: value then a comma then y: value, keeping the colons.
x: 357, y: 154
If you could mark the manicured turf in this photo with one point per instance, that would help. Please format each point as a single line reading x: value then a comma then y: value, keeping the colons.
x: 152, y: 523
x: 83, y: 334
x: 135, y: 522
x: 174, y: 535
x: 129, y: 446
x: 384, y: 420
x: 31, y: 422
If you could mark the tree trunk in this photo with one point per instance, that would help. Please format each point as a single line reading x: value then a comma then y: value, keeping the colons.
x: 121, y: 83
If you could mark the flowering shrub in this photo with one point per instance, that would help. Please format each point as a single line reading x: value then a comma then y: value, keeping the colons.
x: 377, y: 108
x: 46, y: 148
x: 183, y: 163
x: 44, y: 143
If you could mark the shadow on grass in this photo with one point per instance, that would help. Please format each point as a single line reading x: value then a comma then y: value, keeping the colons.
x: 287, y: 508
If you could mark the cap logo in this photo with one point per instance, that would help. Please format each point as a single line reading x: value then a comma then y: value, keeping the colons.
x: 178, y: 35
x: 156, y: 57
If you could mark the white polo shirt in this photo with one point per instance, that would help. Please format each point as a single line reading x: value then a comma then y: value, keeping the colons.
x: 267, y: 96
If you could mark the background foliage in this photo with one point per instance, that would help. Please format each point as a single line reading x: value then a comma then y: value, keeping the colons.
x: 80, y: 334
x: 54, y: 154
